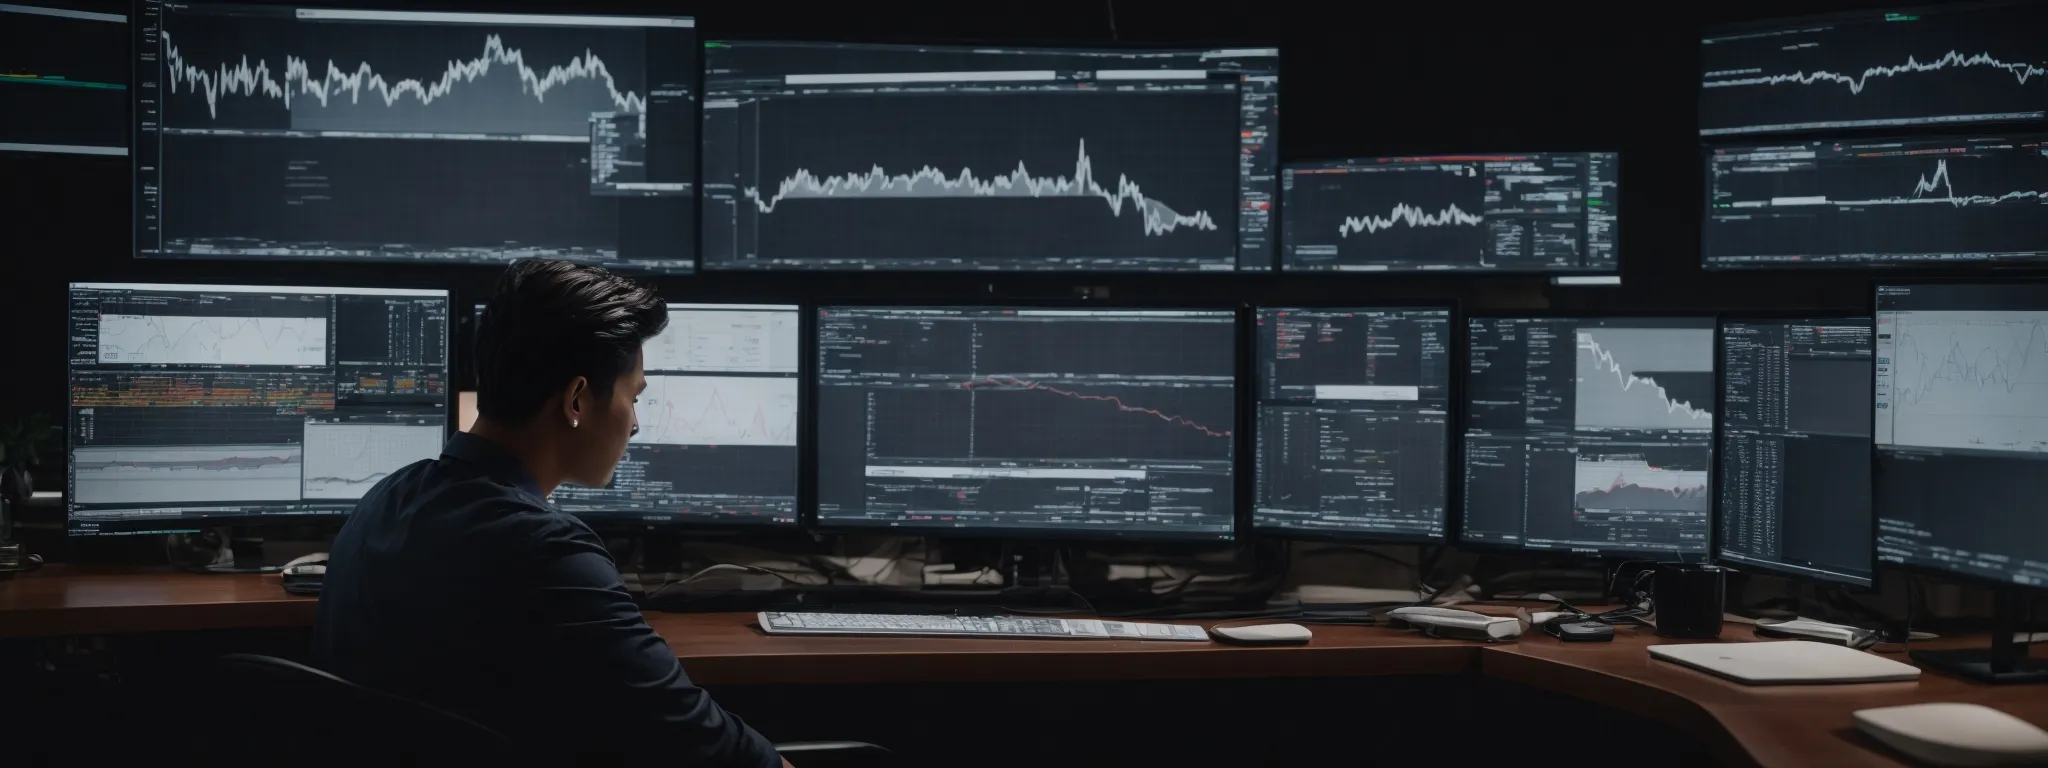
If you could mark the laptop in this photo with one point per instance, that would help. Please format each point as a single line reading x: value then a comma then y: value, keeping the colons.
x: 1787, y: 662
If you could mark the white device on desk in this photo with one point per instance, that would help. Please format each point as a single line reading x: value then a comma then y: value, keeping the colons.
x: 1956, y: 734
x: 1454, y: 624
x: 1786, y: 662
x: 1263, y: 634
x: 782, y: 623
x: 1839, y: 634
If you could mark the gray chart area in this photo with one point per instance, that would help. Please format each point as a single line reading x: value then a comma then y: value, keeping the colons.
x: 1617, y: 389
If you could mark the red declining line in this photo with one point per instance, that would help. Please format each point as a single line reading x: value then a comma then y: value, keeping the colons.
x: 1007, y: 381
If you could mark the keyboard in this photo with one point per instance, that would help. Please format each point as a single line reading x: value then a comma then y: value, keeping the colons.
x: 779, y: 623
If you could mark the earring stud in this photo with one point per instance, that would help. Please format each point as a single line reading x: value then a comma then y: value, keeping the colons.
x: 573, y: 423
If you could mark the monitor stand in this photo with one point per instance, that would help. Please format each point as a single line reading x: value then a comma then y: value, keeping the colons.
x: 2006, y: 661
x: 660, y: 553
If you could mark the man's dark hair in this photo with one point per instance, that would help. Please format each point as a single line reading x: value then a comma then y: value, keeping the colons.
x: 548, y: 322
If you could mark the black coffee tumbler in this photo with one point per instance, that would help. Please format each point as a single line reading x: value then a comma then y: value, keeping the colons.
x: 1689, y: 600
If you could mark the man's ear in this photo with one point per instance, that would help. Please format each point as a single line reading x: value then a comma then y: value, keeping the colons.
x: 576, y: 402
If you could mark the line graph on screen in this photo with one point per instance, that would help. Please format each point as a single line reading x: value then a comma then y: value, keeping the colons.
x: 343, y: 461
x: 190, y: 340
x: 718, y: 410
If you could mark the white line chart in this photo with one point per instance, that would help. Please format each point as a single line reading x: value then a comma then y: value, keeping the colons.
x: 299, y: 80
x: 2020, y: 71
x: 1405, y: 214
x: 1614, y: 406
x: 344, y: 461
x: 1940, y: 182
x: 1974, y: 380
x: 930, y: 182
x: 182, y: 339
x: 717, y: 410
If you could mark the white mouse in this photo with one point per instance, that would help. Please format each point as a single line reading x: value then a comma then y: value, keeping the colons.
x: 1953, y: 734
x: 1263, y: 634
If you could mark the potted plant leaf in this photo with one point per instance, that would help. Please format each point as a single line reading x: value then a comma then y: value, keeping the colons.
x: 20, y: 440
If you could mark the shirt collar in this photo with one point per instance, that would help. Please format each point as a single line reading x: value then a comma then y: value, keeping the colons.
x: 492, y: 458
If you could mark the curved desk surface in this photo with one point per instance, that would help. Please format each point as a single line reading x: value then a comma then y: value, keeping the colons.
x: 1792, y: 725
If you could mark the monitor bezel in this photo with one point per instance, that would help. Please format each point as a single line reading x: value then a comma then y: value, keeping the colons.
x: 1240, y: 509
x: 184, y: 524
x: 1464, y: 407
x: 1272, y: 261
x: 1252, y: 388
x: 1720, y: 391
x: 628, y: 522
x: 1876, y: 470
x: 1280, y: 239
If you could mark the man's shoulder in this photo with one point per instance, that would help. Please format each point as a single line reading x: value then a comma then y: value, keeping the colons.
x: 432, y: 494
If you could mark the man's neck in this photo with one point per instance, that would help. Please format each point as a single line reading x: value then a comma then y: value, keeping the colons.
x: 535, y: 451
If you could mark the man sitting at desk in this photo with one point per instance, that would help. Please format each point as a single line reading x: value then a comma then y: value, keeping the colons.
x: 457, y: 584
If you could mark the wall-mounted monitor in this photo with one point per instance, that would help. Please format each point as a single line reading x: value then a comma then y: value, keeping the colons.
x: 1547, y: 212
x: 64, y: 78
x: 1943, y: 65
x: 312, y: 134
x: 935, y: 158
x: 1922, y: 202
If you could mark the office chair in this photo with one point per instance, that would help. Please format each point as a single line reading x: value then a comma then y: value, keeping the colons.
x: 303, y: 717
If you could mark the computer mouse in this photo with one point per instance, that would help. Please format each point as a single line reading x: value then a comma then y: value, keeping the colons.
x: 1263, y: 634
x: 1954, y: 734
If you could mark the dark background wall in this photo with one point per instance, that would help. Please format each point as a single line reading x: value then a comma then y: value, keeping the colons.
x: 1358, y: 79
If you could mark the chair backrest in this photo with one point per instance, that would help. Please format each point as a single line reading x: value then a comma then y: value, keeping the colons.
x: 315, y: 718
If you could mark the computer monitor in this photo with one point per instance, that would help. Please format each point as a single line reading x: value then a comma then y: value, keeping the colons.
x: 313, y: 134
x: 1794, y: 447
x: 1549, y: 212
x: 1961, y: 427
x: 720, y: 425
x: 1353, y: 422
x: 1589, y: 435
x: 1918, y: 66
x: 199, y: 405
x: 933, y: 158
x: 1930, y: 202
x: 1028, y: 422
x: 64, y: 78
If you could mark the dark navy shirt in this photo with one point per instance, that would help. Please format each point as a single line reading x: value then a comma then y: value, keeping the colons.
x: 455, y: 583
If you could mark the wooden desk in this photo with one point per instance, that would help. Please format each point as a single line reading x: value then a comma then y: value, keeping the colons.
x: 1772, y: 726
x: 96, y: 600
x: 728, y: 649
x: 1765, y: 725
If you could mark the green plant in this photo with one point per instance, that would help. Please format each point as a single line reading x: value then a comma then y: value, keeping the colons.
x: 20, y: 439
